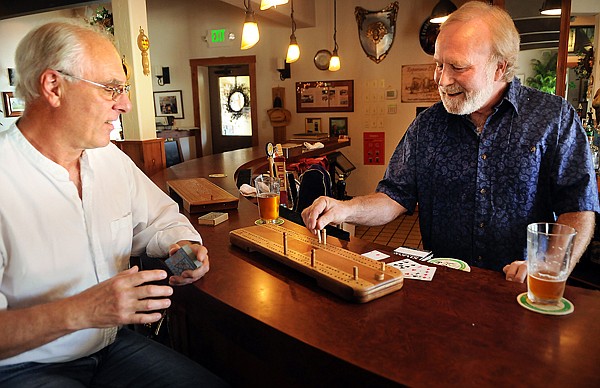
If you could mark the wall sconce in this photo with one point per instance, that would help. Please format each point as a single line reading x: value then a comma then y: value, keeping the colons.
x: 551, y: 7
x: 165, y: 77
x: 334, y: 62
x: 284, y: 69
x: 293, y: 52
x: 250, y: 34
x: 441, y: 11
x: 266, y: 4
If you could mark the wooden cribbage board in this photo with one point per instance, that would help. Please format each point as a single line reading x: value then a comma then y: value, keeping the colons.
x: 201, y: 195
x: 334, y: 266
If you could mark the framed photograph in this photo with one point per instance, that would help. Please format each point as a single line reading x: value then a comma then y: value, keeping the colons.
x: 418, y: 84
x: 325, y: 96
x: 338, y: 126
x: 169, y: 103
x: 313, y: 125
x: 13, y: 106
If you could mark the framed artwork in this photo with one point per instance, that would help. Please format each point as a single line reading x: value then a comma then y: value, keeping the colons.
x: 169, y: 103
x: 313, y: 125
x: 338, y: 126
x: 579, y: 38
x: 13, y: 106
x: 325, y: 96
x: 418, y: 84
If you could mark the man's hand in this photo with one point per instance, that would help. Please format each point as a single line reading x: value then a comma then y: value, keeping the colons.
x: 190, y: 276
x: 516, y: 271
x: 121, y: 300
x: 322, y: 212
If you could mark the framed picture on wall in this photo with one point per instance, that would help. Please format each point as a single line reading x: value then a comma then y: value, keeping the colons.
x: 169, y: 103
x: 338, y: 126
x: 13, y: 106
x: 313, y: 125
x: 325, y: 96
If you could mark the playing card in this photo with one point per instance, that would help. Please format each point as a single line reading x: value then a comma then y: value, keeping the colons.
x: 376, y: 255
x: 413, y: 270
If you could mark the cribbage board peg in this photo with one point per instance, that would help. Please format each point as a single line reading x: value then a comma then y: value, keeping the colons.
x: 313, y: 257
x: 355, y: 270
x: 319, y: 236
x: 285, y: 243
x: 324, y: 236
x: 382, y: 267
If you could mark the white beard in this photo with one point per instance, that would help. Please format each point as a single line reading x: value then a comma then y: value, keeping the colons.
x: 471, y: 101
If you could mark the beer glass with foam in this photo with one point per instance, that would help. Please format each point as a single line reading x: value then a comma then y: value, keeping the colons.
x: 549, y: 248
x: 267, y: 193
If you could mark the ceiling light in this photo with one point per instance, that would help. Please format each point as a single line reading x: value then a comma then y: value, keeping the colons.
x: 551, y: 7
x: 250, y: 34
x: 334, y: 62
x: 441, y: 11
x: 293, y: 52
x: 266, y: 4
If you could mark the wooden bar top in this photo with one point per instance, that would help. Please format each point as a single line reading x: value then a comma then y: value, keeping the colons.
x: 256, y: 322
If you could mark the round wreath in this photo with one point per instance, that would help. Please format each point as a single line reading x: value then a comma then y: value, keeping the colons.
x: 245, y: 91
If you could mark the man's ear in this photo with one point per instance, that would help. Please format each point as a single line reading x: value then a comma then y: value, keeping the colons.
x: 500, y: 70
x: 51, y: 87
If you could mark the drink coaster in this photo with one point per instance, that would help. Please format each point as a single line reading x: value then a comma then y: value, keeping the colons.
x: 451, y: 263
x: 278, y: 221
x: 564, y: 307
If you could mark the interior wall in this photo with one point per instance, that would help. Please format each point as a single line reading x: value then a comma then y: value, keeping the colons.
x: 177, y: 28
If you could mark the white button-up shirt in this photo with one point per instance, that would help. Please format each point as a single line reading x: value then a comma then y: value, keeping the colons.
x: 54, y: 244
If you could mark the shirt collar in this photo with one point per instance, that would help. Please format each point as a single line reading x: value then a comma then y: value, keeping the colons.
x: 511, y: 95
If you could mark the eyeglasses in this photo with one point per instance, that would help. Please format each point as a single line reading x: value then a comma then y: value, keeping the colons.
x: 115, y: 90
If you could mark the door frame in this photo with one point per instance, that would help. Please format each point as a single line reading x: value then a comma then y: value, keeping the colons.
x: 249, y: 60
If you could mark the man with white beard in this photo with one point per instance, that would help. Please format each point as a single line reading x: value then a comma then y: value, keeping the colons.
x: 491, y: 158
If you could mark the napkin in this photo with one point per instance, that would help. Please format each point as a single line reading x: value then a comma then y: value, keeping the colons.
x: 315, y: 146
x: 247, y: 190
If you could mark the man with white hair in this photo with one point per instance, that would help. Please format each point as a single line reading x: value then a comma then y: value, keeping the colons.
x: 490, y: 158
x: 73, y: 209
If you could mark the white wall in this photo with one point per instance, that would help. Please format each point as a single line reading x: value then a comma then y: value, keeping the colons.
x: 176, y: 29
x: 11, y: 31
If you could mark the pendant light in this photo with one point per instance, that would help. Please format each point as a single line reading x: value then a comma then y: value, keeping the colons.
x: 551, y: 7
x: 266, y: 4
x: 293, y: 52
x: 441, y: 11
x: 334, y: 62
x: 250, y: 35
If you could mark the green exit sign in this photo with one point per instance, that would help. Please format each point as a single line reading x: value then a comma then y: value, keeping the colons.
x: 217, y: 36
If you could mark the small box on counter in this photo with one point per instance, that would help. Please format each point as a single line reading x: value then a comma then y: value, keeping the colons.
x: 213, y: 218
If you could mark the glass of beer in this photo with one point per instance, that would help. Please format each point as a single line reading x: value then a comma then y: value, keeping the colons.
x: 549, y: 248
x: 267, y: 193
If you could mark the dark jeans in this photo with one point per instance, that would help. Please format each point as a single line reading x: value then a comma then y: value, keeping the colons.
x: 131, y: 361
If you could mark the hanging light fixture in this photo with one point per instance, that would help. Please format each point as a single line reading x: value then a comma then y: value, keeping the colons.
x: 250, y: 35
x: 551, y: 7
x: 266, y: 4
x: 293, y: 52
x: 441, y: 11
x: 334, y: 62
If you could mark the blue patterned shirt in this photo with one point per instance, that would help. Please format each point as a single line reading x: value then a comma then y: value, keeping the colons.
x: 477, y: 193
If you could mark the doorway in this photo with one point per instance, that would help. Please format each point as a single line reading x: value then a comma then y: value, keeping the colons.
x: 230, y: 102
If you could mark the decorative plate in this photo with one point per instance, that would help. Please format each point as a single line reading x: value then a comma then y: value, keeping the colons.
x: 322, y: 58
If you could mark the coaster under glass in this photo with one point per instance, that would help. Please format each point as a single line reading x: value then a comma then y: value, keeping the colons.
x: 563, y: 307
x: 278, y: 221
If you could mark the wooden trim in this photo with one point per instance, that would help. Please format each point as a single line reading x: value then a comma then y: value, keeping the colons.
x: 250, y: 60
x: 148, y: 155
x: 563, y: 48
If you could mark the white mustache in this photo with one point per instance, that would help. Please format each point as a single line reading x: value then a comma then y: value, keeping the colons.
x: 451, y: 90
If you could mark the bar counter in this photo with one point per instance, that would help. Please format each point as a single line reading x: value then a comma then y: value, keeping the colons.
x: 257, y: 322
